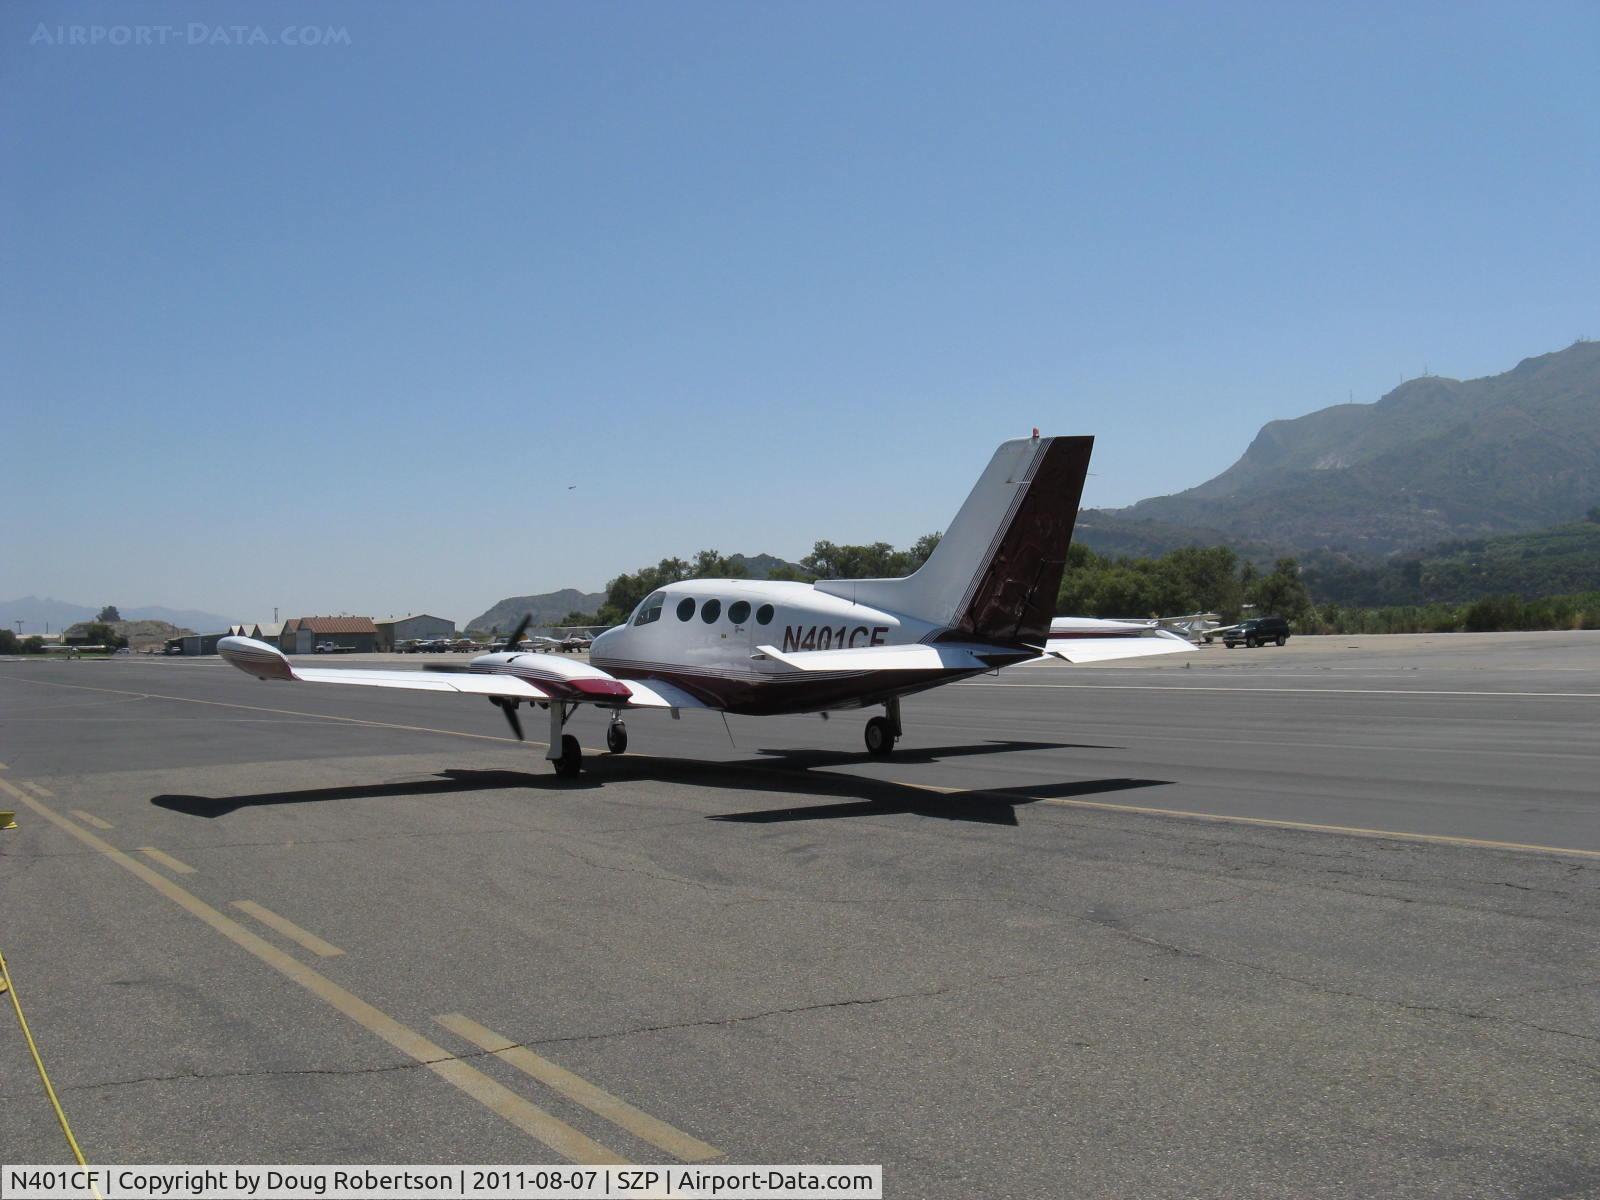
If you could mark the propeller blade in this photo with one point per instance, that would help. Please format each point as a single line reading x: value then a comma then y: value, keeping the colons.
x: 509, y: 707
x: 516, y: 634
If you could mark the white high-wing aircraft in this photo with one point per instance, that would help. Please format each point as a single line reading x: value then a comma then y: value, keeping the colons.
x: 982, y: 601
x: 1190, y: 627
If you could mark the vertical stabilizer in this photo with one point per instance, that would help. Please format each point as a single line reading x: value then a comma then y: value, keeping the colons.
x: 996, y: 571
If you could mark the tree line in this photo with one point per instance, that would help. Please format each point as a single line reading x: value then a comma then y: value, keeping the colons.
x: 1190, y: 579
x: 826, y: 561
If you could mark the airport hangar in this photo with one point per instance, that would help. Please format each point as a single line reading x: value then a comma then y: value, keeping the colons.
x: 302, y: 635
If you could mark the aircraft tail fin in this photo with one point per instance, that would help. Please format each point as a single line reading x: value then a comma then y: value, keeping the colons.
x: 995, y: 573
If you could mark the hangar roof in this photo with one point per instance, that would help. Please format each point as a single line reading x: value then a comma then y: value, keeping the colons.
x: 332, y: 624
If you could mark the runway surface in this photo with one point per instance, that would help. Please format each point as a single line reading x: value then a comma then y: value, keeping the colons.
x: 1313, y: 921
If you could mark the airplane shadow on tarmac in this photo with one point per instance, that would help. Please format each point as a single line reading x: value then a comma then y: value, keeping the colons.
x: 792, y: 774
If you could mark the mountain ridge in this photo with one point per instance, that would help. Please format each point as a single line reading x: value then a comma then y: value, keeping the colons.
x: 1433, y: 460
x: 548, y: 608
x: 36, y: 611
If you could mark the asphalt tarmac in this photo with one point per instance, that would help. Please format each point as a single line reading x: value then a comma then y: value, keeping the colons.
x: 1315, y: 921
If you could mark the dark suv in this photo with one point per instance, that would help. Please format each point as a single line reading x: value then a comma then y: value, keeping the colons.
x: 1257, y: 631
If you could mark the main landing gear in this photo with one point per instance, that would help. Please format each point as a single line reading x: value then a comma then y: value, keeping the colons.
x: 617, y: 735
x: 883, y: 732
x: 564, y: 751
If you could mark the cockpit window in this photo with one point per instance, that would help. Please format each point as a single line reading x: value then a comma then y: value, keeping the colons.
x: 649, y: 609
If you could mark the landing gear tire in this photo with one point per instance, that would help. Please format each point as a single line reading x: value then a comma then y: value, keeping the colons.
x: 617, y: 738
x: 880, y: 737
x: 571, y: 760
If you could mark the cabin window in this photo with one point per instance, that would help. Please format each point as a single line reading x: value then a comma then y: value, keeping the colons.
x: 710, y: 611
x: 764, y: 615
x: 685, y: 608
x: 649, y: 609
x: 739, y: 612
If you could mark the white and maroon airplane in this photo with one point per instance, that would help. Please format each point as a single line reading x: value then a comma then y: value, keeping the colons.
x: 982, y: 601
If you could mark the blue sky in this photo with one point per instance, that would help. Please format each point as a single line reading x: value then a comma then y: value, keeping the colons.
x: 335, y: 328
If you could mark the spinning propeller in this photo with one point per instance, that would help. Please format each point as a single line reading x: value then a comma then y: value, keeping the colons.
x: 509, y: 707
x: 516, y: 634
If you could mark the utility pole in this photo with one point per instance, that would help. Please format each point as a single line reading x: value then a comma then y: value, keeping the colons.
x: 18, y: 624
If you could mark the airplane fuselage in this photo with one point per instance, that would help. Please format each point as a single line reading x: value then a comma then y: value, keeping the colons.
x: 704, y: 635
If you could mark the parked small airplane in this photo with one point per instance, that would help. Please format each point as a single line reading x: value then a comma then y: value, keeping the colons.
x: 1191, y: 626
x: 982, y: 601
x: 543, y: 643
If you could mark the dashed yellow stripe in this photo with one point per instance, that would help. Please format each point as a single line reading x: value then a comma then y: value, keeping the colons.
x: 499, y: 1099
x: 166, y: 860
x: 619, y: 1112
x: 289, y: 929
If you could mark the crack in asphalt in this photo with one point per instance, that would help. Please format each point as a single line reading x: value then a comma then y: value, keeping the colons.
x: 411, y: 1065
x: 1324, y: 989
x: 709, y: 888
x: 185, y: 1076
x: 824, y: 1006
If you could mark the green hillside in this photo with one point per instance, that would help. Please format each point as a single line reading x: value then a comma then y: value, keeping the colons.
x: 1558, y: 561
x: 1434, y: 460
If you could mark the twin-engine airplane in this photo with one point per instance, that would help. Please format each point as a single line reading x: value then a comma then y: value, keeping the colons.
x: 982, y: 601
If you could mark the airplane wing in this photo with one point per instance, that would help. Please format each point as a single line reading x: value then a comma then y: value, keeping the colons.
x: 1089, y: 649
x: 946, y: 656
x: 528, y: 677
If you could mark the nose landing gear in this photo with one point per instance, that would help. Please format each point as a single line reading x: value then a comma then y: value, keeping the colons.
x: 883, y: 732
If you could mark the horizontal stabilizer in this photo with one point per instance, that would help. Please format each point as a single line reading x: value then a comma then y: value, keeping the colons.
x: 1108, y: 649
x: 945, y: 657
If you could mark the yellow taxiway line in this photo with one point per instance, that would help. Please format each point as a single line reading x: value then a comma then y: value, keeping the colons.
x: 166, y: 860
x: 288, y: 929
x: 598, y: 1101
x: 499, y: 1099
x: 91, y: 819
